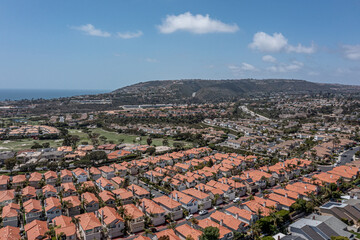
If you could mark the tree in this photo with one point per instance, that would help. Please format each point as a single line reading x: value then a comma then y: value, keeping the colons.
x: 189, y: 237
x: 10, y: 163
x: 210, y: 233
x: 149, y: 141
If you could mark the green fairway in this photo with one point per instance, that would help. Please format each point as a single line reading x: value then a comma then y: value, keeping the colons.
x: 115, y: 137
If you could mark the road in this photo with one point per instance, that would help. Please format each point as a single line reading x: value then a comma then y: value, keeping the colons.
x: 344, y: 158
x: 248, y: 111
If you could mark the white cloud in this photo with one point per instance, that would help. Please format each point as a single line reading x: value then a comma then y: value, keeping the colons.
x: 276, y: 43
x: 89, y: 29
x: 199, y: 24
x: 301, y: 49
x: 351, y: 52
x: 151, y: 60
x: 268, y: 43
x: 282, y: 68
x: 242, y: 68
x: 128, y: 35
x: 269, y: 58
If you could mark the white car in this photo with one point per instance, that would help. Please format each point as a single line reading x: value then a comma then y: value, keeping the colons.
x: 203, y: 212
x: 190, y: 216
x: 236, y: 200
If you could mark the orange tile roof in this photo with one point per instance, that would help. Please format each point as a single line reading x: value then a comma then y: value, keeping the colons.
x: 29, y: 191
x: 74, y: 201
x: 65, y: 173
x: 196, y: 193
x: 110, y: 215
x: 68, y: 187
x: 4, y: 179
x: 167, y: 202
x: 35, y: 177
x: 50, y: 174
x: 64, y: 225
x: 123, y: 193
x: 241, y: 212
x: 32, y: 205
x: 36, y: 229
x: 7, y: 195
x: 10, y: 210
x: 168, y: 232
x: 151, y: 206
x: 88, y: 221
x: 106, y: 196
x: 18, y: 179
x: 49, y: 188
x: 185, y: 230
x: 207, y: 223
x: 280, y: 199
x: 133, y: 211
x: 228, y: 220
x: 89, y: 197
x: 10, y: 233
x: 138, y: 190
x: 52, y: 202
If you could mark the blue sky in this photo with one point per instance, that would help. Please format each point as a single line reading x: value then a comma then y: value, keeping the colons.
x: 111, y: 44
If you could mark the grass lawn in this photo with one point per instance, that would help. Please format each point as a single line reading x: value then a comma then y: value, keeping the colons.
x: 20, y: 144
x: 110, y: 136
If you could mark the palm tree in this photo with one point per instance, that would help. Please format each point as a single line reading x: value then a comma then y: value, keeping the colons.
x: 147, y: 231
x: 66, y: 205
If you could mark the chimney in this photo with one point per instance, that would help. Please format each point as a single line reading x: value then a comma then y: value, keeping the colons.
x: 226, y: 180
x: 264, y: 204
x: 286, y: 195
x: 203, y: 188
x: 331, y: 176
x: 132, y: 189
x: 305, y: 186
x: 278, y: 238
x: 143, y: 206
x: 199, y: 188
x: 237, y: 216
x: 102, y: 216
x: 221, y: 222
x: 54, y: 223
x: 247, y: 175
x: 313, y: 217
x: 176, y: 197
x: 222, y: 181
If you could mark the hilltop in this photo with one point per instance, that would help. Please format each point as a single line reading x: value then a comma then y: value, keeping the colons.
x: 196, y: 90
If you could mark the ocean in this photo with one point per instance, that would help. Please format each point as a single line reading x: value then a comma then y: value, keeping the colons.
x: 19, y: 94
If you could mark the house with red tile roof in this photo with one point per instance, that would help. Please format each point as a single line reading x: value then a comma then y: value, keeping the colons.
x: 228, y: 221
x: 33, y: 210
x: 80, y: 174
x: 225, y: 233
x: 283, y: 202
x: 50, y: 177
x: 170, y: 206
x: 138, y: 191
x: 52, y: 208
x: 203, y: 198
x: 89, y: 226
x: 91, y: 202
x: 36, y: 230
x: 189, y: 203
x: 107, y: 172
x: 243, y: 215
x: 66, y: 176
x: 34, y: 179
x: 4, y: 181
x: 49, y: 191
x: 68, y: 189
x: 65, y: 227
x: 104, y: 184
x: 124, y: 195
x: 137, y: 222
x: 27, y: 193
x: 94, y: 173
x: 18, y: 181
x: 6, y: 197
x: 168, y: 232
x: 153, y: 210
x: 10, y: 214
x: 108, y: 198
x: 112, y: 221
x: 73, y: 205
x: 186, y: 230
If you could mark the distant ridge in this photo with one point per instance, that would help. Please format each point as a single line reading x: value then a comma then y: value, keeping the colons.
x: 200, y: 91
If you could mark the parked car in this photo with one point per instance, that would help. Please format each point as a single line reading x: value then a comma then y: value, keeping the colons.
x: 203, y: 212
x: 190, y: 216
x: 236, y: 200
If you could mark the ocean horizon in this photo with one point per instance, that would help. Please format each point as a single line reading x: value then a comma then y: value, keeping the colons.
x: 20, y: 94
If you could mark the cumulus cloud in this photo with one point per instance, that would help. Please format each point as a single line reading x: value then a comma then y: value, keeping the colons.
x: 128, y: 35
x: 276, y: 43
x: 269, y: 58
x: 89, y: 29
x: 283, y: 67
x: 199, y: 24
x: 351, y: 52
